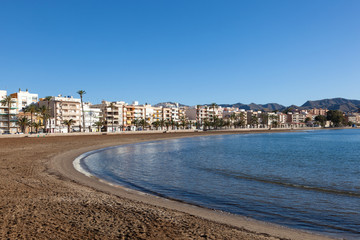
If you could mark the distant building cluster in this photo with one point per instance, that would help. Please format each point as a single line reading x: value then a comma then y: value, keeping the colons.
x: 24, y: 112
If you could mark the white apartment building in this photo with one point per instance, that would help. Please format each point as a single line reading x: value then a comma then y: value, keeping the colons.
x: 4, y: 114
x: 92, y: 114
x: 24, y: 99
x: 296, y: 117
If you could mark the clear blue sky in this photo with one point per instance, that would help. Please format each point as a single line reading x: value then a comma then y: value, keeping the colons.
x: 193, y: 52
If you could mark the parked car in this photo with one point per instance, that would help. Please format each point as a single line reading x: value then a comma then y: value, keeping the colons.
x: 19, y: 133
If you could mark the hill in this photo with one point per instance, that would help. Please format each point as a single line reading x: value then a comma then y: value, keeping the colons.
x: 341, y: 104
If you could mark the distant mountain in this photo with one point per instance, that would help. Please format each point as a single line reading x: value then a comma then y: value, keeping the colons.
x: 256, y: 107
x: 341, y: 104
x: 169, y: 104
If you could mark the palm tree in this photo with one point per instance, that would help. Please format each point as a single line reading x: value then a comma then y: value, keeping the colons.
x: 206, y: 124
x: 183, y: 122
x: 36, y: 125
x: 48, y: 99
x: 233, y: 118
x: 254, y: 120
x: 7, y: 101
x: 172, y: 123
x: 23, y: 122
x: 274, y: 120
x: 156, y: 124
x: 136, y: 123
x: 68, y: 123
x: 98, y: 124
x: 213, y: 106
x: 264, y: 119
x: 167, y: 124
x: 112, y: 107
x: 198, y: 117
x: 45, y: 115
x: 162, y: 123
x: 81, y: 93
x: 32, y: 109
x: 143, y: 123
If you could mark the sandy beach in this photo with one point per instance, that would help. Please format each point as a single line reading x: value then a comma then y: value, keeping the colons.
x: 44, y: 197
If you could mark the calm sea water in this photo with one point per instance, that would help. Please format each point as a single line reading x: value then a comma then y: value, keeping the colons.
x: 307, y: 180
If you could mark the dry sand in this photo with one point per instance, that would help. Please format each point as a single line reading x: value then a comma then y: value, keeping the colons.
x: 44, y: 197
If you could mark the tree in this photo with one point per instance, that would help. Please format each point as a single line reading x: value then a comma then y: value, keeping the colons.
x: 274, y: 120
x: 162, y: 123
x: 36, y: 125
x: 23, y: 122
x: 264, y: 118
x: 48, y: 99
x: 7, y: 101
x: 112, y: 107
x: 32, y: 109
x: 321, y: 119
x: 143, y: 123
x: 198, y: 107
x: 81, y: 93
x: 233, y: 118
x: 136, y: 123
x: 335, y: 116
x: 45, y: 114
x: 98, y: 124
x: 254, y: 120
x: 167, y: 124
x: 206, y: 124
x: 68, y: 123
x: 156, y: 124
x: 183, y: 122
x: 289, y: 109
x: 173, y: 124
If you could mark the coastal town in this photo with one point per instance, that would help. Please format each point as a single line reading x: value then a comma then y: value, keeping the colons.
x: 24, y: 112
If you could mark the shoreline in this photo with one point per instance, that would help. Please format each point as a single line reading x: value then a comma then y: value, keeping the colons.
x: 43, y: 195
x: 237, y: 221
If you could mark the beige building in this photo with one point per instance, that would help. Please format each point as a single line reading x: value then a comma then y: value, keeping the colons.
x: 63, y: 108
x: 199, y: 114
x: 113, y: 115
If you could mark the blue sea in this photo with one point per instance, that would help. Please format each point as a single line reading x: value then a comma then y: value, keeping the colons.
x: 306, y: 180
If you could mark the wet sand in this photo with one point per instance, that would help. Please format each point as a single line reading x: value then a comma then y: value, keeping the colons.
x: 44, y: 197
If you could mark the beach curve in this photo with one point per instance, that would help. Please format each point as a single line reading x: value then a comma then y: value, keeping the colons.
x: 240, y: 222
x: 111, y: 212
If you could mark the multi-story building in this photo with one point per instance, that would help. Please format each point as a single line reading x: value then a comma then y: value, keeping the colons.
x: 92, y: 114
x: 156, y: 114
x: 353, y: 118
x: 282, y: 119
x: 318, y: 111
x: 63, y: 108
x: 24, y: 99
x: 236, y: 116
x: 296, y: 119
x: 7, y: 115
x: 201, y: 114
x: 253, y: 118
x: 113, y: 115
